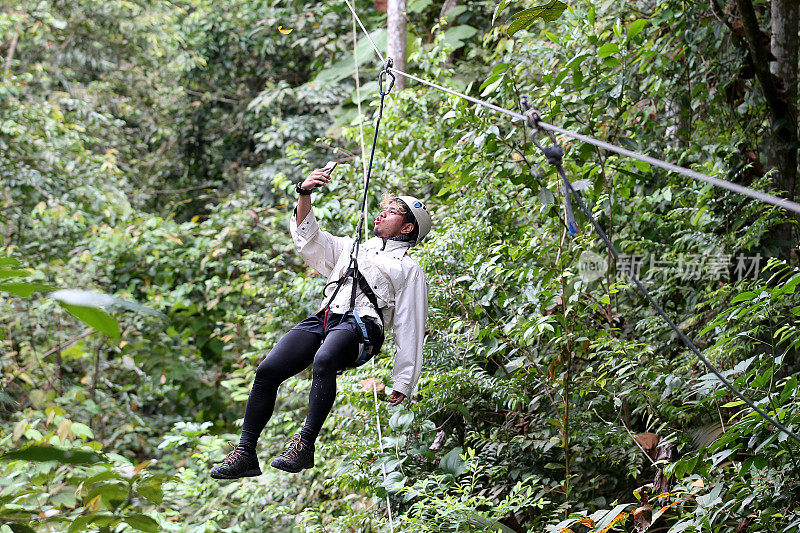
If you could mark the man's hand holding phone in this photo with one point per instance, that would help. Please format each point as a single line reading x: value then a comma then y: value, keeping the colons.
x: 319, y: 177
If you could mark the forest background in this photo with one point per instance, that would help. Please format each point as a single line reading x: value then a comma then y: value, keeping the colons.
x: 148, y: 154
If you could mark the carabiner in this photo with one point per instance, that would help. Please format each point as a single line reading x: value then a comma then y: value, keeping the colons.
x: 386, y: 70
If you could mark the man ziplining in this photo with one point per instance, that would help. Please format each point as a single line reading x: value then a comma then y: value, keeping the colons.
x: 384, y: 287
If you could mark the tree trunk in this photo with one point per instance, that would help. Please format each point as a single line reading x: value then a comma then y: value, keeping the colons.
x: 10, y: 55
x: 447, y: 6
x: 782, y: 150
x: 396, y: 40
x: 779, y: 87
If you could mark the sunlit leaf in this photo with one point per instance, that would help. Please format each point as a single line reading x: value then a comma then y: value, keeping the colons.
x: 547, y: 12
x: 142, y: 523
x: 24, y: 289
x: 96, y: 318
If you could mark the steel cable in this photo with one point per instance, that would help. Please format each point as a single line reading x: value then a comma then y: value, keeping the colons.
x: 733, y: 187
x: 689, y: 173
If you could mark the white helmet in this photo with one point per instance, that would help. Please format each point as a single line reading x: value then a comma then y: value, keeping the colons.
x: 420, y: 213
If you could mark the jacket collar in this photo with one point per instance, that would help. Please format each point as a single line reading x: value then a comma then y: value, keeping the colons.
x: 387, y: 245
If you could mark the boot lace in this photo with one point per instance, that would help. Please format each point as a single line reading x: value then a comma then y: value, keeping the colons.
x: 293, y: 448
x: 234, y: 455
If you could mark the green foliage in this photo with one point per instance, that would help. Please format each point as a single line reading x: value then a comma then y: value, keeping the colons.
x: 148, y: 153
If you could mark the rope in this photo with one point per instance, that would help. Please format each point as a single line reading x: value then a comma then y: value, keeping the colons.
x: 672, y: 324
x: 362, y: 217
x: 733, y: 187
x: 357, y: 18
x: 380, y: 440
x: 362, y: 211
x: 358, y: 103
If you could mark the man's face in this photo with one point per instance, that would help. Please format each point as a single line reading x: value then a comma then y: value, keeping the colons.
x: 391, y: 222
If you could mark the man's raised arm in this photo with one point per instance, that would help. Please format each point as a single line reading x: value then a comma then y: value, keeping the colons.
x: 317, y: 178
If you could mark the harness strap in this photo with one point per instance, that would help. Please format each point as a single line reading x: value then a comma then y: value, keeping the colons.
x: 362, y: 284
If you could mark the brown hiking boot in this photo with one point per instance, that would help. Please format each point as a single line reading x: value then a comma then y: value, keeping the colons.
x: 237, y: 464
x: 297, y: 456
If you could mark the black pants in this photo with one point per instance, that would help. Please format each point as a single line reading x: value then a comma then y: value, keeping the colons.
x: 331, y: 345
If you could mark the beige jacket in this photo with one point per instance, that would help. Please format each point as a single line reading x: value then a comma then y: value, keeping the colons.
x: 396, y: 279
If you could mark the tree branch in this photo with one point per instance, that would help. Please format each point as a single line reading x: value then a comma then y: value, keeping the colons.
x: 10, y: 55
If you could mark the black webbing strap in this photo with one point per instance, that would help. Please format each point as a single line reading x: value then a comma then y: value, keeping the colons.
x: 362, y: 284
x: 352, y: 267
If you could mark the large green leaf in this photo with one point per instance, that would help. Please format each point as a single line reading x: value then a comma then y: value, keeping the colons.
x: 39, y: 453
x: 142, y: 523
x: 25, y: 289
x: 453, y: 463
x: 13, y: 273
x: 345, y: 66
x: 636, y: 27
x: 96, y: 318
x: 457, y: 35
x: 547, y: 12
x: 80, y: 524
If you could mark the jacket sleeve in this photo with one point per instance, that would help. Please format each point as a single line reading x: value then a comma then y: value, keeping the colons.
x: 318, y: 248
x: 410, y: 315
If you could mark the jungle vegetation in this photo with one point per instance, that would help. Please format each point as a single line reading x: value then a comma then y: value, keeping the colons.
x: 148, y: 156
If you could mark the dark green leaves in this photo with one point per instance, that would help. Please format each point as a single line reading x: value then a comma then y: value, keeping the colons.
x: 452, y: 463
x: 547, y: 12
x: 142, y: 523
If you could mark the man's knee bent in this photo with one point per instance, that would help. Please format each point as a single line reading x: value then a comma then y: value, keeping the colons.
x: 269, y: 370
x: 328, y: 362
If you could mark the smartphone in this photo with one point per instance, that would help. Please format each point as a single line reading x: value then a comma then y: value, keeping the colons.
x: 329, y: 167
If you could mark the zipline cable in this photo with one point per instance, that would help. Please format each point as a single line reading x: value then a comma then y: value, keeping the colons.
x: 746, y: 191
x: 554, y: 154
x: 733, y: 187
x: 374, y: 46
x: 363, y: 215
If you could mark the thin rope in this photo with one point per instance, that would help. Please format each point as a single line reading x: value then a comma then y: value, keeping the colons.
x: 374, y: 46
x: 380, y: 441
x: 672, y: 324
x: 461, y: 95
x: 363, y: 214
x: 733, y: 187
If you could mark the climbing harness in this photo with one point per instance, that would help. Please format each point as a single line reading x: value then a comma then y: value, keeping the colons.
x: 554, y: 154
